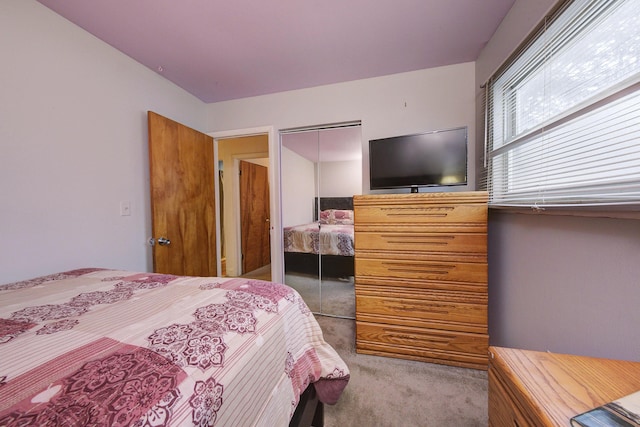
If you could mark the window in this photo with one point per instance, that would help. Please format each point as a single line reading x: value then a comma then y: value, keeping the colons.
x: 563, y: 117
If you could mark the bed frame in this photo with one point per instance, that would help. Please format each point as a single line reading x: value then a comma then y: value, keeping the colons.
x: 310, y: 411
x: 331, y: 265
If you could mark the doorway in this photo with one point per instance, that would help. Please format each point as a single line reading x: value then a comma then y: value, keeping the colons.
x: 239, y: 198
x: 275, y: 230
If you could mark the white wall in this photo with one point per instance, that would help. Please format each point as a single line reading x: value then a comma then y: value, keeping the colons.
x: 436, y: 98
x: 298, y: 189
x: 341, y: 179
x: 560, y: 283
x: 73, y: 144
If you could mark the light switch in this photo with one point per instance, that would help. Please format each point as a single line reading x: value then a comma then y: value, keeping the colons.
x: 125, y: 208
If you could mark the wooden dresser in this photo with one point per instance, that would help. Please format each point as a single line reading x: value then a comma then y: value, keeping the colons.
x: 540, y: 389
x: 421, y: 277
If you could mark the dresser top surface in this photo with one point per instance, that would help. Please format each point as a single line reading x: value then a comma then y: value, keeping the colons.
x: 555, y: 387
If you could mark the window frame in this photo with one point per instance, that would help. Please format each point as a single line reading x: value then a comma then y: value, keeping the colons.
x: 510, y: 121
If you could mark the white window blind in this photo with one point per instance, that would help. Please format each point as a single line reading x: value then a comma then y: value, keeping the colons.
x: 563, y: 118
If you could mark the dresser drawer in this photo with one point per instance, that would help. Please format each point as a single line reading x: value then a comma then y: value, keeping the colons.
x: 421, y: 242
x: 446, y: 312
x: 432, y: 345
x: 386, y: 269
x: 462, y: 210
x: 479, y: 289
x: 458, y: 216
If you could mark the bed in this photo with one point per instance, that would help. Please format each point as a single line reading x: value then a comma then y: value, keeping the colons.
x: 326, y: 244
x: 116, y: 348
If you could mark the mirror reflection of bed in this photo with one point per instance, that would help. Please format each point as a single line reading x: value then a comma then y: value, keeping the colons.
x: 323, y: 249
x: 321, y: 171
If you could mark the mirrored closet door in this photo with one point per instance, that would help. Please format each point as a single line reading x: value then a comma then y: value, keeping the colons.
x: 321, y: 170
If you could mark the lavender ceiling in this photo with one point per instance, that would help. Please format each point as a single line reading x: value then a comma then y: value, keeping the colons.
x: 227, y: 49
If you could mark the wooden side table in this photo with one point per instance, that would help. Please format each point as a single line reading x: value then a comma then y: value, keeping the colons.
x: 531, y: 388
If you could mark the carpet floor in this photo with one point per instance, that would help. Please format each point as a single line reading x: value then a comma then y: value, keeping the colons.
x: 389, y: 392
x: 330, y: 296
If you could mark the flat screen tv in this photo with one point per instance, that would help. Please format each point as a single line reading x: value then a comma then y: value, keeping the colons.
x: 437, y: 158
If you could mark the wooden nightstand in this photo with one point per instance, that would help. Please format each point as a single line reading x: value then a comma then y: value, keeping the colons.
x: 531, y: 388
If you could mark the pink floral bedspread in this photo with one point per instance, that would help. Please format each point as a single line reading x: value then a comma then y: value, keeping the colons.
x: 113, y: 348
x: 327, y: 239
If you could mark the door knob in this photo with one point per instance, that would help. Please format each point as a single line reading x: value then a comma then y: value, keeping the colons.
x: 162, y: 241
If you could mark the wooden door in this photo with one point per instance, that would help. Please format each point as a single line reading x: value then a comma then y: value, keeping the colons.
x: 181, y: 168
x: 254, y: 216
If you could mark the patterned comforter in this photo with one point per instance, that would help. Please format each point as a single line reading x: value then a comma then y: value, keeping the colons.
x: 114, y: 348
x: 324, y: 239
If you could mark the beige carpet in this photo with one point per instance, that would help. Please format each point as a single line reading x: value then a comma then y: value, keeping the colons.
x: 388, y: 392
x: 331, y: 296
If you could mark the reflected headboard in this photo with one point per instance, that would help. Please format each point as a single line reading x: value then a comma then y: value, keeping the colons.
x: 345, y: 203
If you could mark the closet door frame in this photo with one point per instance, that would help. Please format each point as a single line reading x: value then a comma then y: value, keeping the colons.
x: 318, y: 160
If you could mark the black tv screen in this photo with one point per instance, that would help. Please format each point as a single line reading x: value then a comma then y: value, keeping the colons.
x: 437, y: 158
